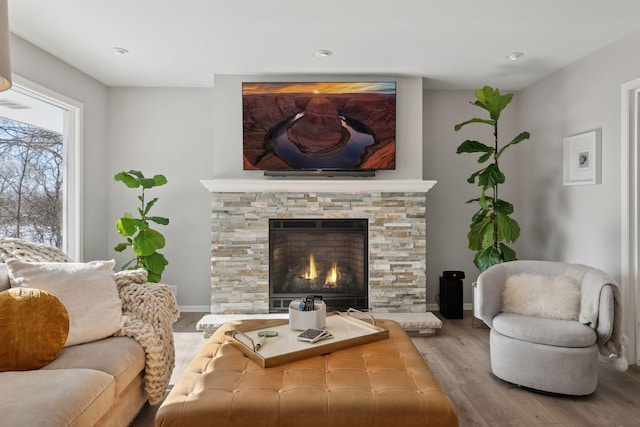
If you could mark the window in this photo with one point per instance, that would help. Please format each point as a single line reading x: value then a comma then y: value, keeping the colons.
x: 39, y: 166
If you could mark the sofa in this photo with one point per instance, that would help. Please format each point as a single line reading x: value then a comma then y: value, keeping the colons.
x: 93, y: 379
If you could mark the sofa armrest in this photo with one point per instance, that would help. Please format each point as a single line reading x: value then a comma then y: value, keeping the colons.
x: 488, y: 295
x: 604, y: 328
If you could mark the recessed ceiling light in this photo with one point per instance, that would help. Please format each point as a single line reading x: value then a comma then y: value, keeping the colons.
x: 514, y: 56
x: 321, y: 53
x: 119, y: 51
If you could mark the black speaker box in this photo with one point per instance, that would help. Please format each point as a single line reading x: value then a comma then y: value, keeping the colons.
x: 451, y: 298
x: 450, y: 275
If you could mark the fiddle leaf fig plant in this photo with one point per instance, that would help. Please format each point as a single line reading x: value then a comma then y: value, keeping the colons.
x: 144, y: 240
x: 491, y: 226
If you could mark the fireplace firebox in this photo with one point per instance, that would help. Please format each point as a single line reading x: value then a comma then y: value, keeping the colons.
x: 321, y: 257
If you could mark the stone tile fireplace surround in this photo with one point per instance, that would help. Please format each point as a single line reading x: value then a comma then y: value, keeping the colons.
x: 240, y: 213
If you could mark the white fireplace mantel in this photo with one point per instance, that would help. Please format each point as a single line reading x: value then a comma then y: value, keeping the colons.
x: 317, y: 185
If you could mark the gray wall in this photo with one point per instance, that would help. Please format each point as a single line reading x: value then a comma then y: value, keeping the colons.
x: 576, y: 223
x: 170, y: 132
x: 448, y: 216
x: 34, y: 64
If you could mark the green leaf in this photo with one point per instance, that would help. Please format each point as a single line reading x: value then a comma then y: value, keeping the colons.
x: 136, y: 173
x: 489, y: 238
x: 477, y: 232
x: 470, y: 146
x: 503, y: 207
x: 147, y: 182
x: 159, y: 220
x: 485, y: 157
x: 508, y: 228
x: 127, y: 179
x: 518, y: 139
x: 477, y: 217
x: 508, y: 254
x: 153, y: 277
x: 155, y: 262
x: 491, y: 176
x: 147, y: 242
x: 474, y: 120
x: 486, y: 258
x: 159, y: 180
x: 491, y: 100
x: 127, y: 226
x: 482, y: 201
x: 472, y: 178
x: 121, y: 247
x: 150, y: 205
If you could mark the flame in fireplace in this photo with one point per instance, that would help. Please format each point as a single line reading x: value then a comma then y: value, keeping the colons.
x: 332, y: 276
x: 311, y: 274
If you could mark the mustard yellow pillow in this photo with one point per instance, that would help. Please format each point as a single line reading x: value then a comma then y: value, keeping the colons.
x: 33, y: 328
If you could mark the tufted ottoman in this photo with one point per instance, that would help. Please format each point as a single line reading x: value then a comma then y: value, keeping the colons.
x: 383, y: 383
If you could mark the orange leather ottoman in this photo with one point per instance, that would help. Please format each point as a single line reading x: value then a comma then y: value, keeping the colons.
x: 383, y: 383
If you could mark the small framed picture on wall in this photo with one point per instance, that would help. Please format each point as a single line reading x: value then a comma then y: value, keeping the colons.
x: 582, y: 158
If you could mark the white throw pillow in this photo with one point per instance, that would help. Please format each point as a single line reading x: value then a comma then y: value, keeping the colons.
x: 542, y: 296
x: 87, y: 290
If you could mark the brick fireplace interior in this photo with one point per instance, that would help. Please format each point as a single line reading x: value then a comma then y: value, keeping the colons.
x: 327, y: 258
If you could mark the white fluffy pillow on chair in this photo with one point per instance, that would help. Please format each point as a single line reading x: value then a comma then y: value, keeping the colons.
x: 542, y: 296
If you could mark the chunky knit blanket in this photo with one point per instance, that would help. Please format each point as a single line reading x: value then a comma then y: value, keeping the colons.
x: 149, y: 310
x: 611, y: 343
x: 11, y: 247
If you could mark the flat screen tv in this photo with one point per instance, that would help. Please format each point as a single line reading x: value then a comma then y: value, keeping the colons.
x: 321, y: 126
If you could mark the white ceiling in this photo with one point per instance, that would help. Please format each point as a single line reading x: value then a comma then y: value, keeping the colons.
x: 458, y: 44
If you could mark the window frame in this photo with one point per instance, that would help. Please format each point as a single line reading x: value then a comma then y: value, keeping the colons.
x: 72, y: 161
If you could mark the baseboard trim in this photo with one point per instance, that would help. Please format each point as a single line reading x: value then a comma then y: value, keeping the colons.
x: 195, y: 308
x: 207, y: 308
x: 436, y: 307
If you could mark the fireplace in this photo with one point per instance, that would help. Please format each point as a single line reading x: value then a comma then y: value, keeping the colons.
x: 396, y: 256
x: 321, y: 257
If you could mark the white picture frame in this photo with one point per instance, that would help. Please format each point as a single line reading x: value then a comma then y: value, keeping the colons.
x: 582, y: 165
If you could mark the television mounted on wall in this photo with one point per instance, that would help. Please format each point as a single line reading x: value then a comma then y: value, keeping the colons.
x: 319, y: 126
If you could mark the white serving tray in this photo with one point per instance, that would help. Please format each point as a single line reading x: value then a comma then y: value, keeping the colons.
x: 347, y: 332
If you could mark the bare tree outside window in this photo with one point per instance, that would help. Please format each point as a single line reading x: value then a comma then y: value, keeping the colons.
x: 31, y: 183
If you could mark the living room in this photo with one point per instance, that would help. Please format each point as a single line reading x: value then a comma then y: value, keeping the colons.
x: 192, y: 133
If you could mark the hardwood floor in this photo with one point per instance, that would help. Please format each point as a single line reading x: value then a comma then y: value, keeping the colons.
x: 459, y: 356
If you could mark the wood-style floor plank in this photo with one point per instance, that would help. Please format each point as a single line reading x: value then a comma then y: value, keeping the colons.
x: 459, y: 356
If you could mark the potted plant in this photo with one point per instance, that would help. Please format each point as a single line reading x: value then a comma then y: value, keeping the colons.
x: 491, y: 226
x: 144, y: 240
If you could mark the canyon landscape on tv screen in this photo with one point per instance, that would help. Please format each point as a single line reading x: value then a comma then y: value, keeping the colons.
x: 319, y: 126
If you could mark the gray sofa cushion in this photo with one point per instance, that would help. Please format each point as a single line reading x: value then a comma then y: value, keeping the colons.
x: 561, y: 333
x: 121, y: 357
x: 62, y: 397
